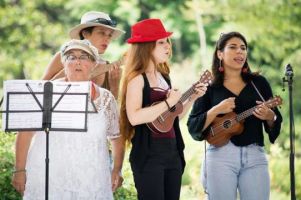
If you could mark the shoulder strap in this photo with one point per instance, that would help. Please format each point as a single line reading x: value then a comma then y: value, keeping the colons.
x: 258, y: 91
x: 146, y: 91
x: 146, y: 83
x: 167, y: 79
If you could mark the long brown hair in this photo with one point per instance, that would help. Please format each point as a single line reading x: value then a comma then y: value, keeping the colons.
x: 137, y: 60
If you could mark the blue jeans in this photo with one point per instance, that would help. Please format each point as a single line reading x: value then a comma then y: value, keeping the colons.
x: 230, y: 168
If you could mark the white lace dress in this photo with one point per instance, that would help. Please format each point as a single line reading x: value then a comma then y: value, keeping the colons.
x: 79, y: 167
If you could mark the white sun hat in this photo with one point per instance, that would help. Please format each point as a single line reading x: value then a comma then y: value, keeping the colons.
x: 84, y: 45
x: 95, y: 18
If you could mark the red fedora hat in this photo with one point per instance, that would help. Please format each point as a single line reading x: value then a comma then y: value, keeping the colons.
x: 148, y: 30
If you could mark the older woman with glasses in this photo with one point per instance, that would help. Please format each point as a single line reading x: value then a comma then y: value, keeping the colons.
x: 79, y: 167
x: 100, y: 30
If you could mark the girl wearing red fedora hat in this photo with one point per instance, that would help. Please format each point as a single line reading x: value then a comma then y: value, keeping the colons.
x: 100, y: 30
x: 157, y: 158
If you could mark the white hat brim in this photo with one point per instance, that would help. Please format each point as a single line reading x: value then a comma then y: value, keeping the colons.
x: 74, y: 32
x: 80, y: 47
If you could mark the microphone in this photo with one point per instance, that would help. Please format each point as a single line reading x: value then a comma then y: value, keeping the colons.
x: 289, y: 76
x: 289, y: 70
x: 47, y: 105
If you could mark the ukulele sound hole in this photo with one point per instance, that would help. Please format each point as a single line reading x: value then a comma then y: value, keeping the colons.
x: 227, y: 124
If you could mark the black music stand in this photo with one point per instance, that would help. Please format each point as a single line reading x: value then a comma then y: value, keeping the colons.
x: 46, y: 112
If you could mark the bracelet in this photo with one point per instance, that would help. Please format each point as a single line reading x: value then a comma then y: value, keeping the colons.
x: 18, y: 171
x: 167, y: 104
x: 275, y: 118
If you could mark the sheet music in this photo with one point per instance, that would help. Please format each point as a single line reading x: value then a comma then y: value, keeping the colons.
x: 27, y: 103
x: 20, y: 86
x: 24, y: 120
x: 63, y: 120
x: 32, y: 118
x: 69, y: 102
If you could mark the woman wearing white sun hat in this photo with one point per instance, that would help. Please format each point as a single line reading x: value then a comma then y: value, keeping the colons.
x: 100, y: 30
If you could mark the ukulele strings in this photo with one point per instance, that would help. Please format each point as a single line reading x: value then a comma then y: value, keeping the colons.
x: 165, y: 114
x: 188, y: 93
x: 236, y: 118
x: 220, y: 126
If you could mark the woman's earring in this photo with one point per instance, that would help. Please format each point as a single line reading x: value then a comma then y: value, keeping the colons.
x: 244, y: 70
x: 221, y: 68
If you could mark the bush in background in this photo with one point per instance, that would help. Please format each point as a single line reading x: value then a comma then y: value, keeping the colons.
x: 7, y: 192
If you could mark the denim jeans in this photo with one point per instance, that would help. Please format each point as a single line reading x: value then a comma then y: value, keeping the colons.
x: 230, y: 168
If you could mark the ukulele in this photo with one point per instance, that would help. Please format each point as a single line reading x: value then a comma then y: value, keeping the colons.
x: 98, y: 70
x: 223, y: 128
x: 164, y: 122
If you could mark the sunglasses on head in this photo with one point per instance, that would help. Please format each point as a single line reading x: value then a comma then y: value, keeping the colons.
x: 104, y: 21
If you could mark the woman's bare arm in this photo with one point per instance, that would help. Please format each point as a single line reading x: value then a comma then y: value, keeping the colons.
x: 22, y: 145
x: 54, y: 67
x: 118, y: 148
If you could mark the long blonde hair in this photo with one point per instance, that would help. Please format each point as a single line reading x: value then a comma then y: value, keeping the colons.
x: 137, y: 60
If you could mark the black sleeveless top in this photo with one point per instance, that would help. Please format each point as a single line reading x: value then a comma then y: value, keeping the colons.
x: 142, y: 137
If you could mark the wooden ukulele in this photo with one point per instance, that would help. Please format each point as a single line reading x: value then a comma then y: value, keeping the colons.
x: 165, y: 121
x: 98, y: 70
x: 223, y: 128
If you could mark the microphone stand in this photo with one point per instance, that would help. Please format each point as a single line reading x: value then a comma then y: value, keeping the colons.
x: 289, y: 80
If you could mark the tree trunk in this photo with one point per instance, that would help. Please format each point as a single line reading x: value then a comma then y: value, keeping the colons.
x: 145, y: 10
x: 201, y: 31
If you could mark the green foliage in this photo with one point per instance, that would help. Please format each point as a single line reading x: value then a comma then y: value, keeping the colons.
x: 125, y: 194
x: 7, y: 192
x: 280, y: 176
x: 271, y: 35
x: 25, y: 38
x: 32, y: 31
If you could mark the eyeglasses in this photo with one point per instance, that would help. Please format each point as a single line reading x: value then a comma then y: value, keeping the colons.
x: 82, y: 58
x: 104, y: 21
